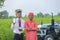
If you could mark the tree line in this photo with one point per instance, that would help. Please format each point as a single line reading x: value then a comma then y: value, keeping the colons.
x: 5, y: 14
x: 40, y: 14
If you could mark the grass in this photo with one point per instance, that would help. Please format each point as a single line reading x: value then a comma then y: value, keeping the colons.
x: 6, y: 33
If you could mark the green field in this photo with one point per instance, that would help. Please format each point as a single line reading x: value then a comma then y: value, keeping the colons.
x: 6, y: 33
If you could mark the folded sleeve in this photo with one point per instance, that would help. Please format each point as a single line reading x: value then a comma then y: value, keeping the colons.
x: 13, y: 23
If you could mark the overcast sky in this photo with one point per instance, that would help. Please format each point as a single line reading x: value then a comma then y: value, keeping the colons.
x: 44, y: 6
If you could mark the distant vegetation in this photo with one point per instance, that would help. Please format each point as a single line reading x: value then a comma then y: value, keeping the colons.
x: 3, y: 14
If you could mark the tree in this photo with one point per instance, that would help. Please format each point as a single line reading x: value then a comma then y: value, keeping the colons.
x: 4, y: 14
x: 58, y: 14
x: 1, y: 3
x: 40, y: 14
x: 46, y: 15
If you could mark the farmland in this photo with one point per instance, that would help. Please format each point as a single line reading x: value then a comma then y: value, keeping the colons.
x: 6, y: 33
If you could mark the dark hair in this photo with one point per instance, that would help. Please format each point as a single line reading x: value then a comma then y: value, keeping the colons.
x: 18, y: 10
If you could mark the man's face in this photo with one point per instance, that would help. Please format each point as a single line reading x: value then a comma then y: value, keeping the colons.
x: 19, y: 14
x: 31, y: 17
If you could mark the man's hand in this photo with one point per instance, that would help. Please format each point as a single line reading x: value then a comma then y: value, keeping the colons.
x: 14, y: 23
x: 20, y: 29
x: 31, y: 29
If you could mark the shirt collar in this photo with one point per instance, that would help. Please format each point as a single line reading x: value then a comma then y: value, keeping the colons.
x: 18, y: 18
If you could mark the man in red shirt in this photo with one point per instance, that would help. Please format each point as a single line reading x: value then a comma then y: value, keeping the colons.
x: 31, y: 27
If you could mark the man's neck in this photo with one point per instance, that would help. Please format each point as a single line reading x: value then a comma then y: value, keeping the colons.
x: 31, y: 19
x: 18, y: 18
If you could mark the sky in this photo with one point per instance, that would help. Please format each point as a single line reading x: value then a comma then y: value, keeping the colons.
x: 36, y: 6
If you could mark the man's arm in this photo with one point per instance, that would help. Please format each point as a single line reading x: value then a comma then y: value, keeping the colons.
x: 35, y: 27
x: 26, y: 27
x: 23, y: 25
x: 13, y: 24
